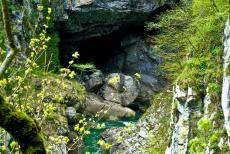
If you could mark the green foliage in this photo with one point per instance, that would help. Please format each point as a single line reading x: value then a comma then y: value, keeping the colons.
x: 84, y: 67
x: 46, y: 44
x: 204, y: 124
x: 53, y: 52
x: 2, y: 39
x: 207, y: 138
x: 3, y: 150
x: 214, y: 88
x: 190, y: 42
x: 171, y: 42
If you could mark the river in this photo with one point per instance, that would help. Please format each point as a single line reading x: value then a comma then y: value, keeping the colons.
x: 91, y: 139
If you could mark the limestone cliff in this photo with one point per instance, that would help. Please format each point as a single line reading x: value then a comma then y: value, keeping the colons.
x: 226, y: 81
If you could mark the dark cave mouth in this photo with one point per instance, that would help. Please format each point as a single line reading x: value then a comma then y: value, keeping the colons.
x: 105, y: 52
x: 122, y: 51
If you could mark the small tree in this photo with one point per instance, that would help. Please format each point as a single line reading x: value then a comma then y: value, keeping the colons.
x: 24, y: 129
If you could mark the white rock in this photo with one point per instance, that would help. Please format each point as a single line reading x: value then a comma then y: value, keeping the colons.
x: 70, y: 112
x: 143, y: 133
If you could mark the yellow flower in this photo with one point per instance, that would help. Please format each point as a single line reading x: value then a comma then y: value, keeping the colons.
x: 137, y: 76
x: 81, y: 121
x: 47, y: 18
x: 46, y: 26
x: 3, y: 83
x: 72, y: 74
x: 49, y: 10
x: 108, y: 146
x: 76, y: 55
x: 81, y: 129
x: 119, y: 139
x: 76, y: 127
x: 40, y: 8
x: 114, y: 80
x: 100, y: 142
x: 28, y: 70
x: 71, y: 62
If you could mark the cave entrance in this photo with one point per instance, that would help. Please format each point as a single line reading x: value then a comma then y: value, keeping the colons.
x: 99, y: 51
x: 105, y: 52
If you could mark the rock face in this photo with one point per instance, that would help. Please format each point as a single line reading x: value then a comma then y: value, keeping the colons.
x: 109, y: 33
x: 92, y: 18
x: 181, y: 118
x: 120, y: 88
x: 226, y: 81
x: 141, y: 58
x: 128, y: 55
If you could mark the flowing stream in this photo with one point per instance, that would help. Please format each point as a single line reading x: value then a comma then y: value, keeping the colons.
x: 91, y: 139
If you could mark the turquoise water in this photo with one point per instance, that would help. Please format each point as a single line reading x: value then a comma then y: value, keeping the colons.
x: 91, y: 139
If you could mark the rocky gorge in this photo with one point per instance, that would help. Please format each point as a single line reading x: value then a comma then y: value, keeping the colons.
x: 123, y: 76
x: 110, y: 34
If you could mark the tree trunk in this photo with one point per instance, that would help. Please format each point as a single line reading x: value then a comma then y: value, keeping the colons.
x: 7, y: 27
x: 24, y: 129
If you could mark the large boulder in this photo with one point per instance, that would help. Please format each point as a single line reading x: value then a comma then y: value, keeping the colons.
x: 120, y: 88
x: 110, y: 110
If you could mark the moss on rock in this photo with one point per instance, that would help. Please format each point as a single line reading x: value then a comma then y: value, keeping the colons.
x: 159, y: 115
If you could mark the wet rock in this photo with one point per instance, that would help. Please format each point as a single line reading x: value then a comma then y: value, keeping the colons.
x: 120, y: 88
x: 93, y: 25
x: 72, y: 115
x: 83, y: 2
x: 111, y: 110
